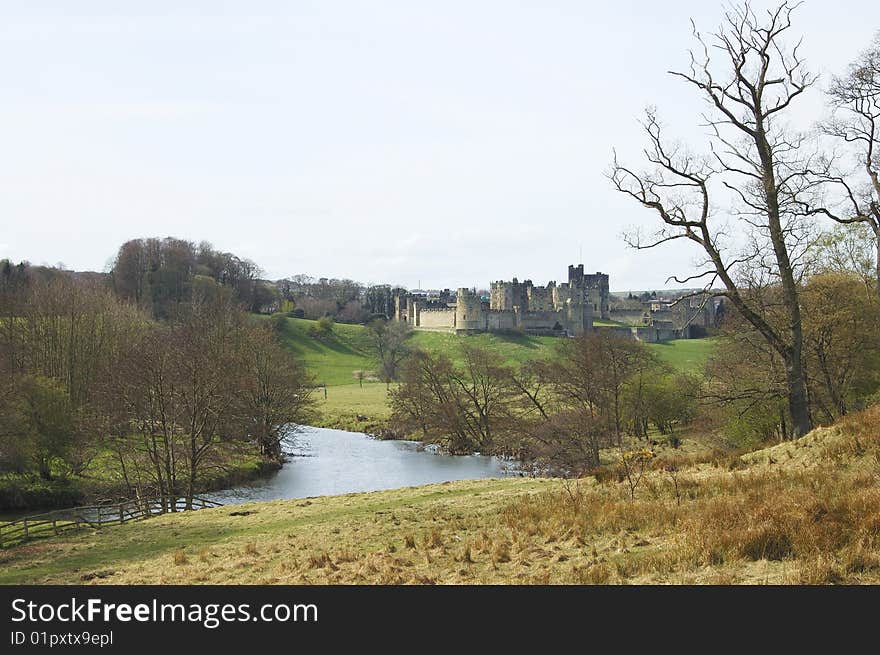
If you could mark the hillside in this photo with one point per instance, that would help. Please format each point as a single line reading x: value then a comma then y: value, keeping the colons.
x: 807, y: 511
x: 336, y: 359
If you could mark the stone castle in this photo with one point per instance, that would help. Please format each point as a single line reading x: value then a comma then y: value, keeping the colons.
x: 565, y: 309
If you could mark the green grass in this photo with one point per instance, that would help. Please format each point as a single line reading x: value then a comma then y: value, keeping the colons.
x: 335, y: 360
x: 345, y: 402
x: 514, y: 348
x: 687, y: 355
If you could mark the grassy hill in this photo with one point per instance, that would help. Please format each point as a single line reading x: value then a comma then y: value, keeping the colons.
x: 685, y: 354
x: 806, y: 511
x: 335, y: 359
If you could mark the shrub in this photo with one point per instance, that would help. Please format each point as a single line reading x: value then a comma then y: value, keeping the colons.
x: 322, y: 328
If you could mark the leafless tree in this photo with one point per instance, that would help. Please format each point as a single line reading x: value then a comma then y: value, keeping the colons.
x: 389, y: 342
x: 758, y: 169
x: 464, y: 406
x: 276, y: 392
x: 855, y: 121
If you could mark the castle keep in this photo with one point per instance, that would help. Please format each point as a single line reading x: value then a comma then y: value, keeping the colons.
x: 565, y: 309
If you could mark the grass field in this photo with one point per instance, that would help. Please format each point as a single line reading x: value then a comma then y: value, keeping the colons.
x: 336, y: 359
x: 689, y: 355
x: 803, y: 512
x: 514, y: 348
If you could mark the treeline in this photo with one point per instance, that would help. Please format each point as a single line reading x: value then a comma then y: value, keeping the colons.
x: 746, y: 379
x: 342, y: 300
x: 595, y: 391
x: 602, y: 390
x: 93, y: 385
x: 162, y: 275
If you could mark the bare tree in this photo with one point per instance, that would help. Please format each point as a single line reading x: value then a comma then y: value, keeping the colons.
x: 389, y: 346
x: 855, y: 101
x: 465, y: 406
x: 276, y: 395
x: 757, y: 167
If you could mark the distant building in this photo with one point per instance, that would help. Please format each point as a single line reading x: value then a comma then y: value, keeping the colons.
x: 558, y: 309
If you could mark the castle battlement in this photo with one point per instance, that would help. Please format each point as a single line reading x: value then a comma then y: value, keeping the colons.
x: 565, y: 308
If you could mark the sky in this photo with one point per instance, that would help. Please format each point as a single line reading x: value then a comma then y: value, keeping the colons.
x: 433, y: 143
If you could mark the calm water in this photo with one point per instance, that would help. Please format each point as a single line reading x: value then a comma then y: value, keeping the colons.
x: 328, y: 462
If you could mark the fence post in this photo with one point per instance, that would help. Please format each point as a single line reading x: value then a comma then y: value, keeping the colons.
x: 55, y: 525
x: 26, y: 533
x: 121, y: 519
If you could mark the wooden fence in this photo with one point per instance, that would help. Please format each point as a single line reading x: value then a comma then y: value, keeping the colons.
x: 55, y: 522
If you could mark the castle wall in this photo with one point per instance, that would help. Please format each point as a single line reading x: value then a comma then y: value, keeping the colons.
x: 437, y: 318
x: 646, y: 333
x: 631, y: 316
x: 543, y: 322
x: 667, y: 334
x: 668, y: 315
x: 597, y: 288
x: 499, y: 320
x: 540, y: 299
x: 566, y: 308
x: 501, y: 296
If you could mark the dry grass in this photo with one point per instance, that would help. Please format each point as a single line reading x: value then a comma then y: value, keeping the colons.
x: 808, y: 511
x: 803, y: 512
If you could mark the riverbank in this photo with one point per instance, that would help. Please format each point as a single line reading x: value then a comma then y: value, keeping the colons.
x: 357, y: 408
x: 22, y: 495
x: 801, y: 512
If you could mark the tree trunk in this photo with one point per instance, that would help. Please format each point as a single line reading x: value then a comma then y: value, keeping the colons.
x: 794, y: 366
x: 836, y: 399
x: 798, y: 406
x: 877, y: 243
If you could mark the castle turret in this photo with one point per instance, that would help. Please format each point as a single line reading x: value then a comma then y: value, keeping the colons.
x: 469, y: 315
x: 400, y: 313
x: 412, y: 311
x: 598, y: 293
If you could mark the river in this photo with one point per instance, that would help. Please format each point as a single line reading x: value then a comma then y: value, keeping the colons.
x: 325, y: 462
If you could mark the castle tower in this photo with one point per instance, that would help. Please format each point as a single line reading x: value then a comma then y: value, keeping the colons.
x: 400, y: 313
x: 597, y: 288
x: 501, y: 296
x: 469, y: 315
x: 413, y: 308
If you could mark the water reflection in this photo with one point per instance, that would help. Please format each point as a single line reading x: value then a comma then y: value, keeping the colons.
x: 330, y: 462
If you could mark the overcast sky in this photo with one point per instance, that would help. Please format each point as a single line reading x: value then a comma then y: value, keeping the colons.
x: 437, y: 142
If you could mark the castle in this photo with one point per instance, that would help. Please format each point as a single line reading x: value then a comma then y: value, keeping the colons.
x: 565, y: 309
